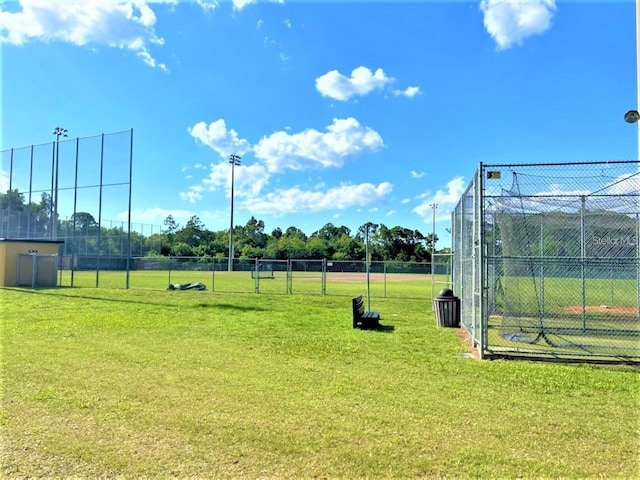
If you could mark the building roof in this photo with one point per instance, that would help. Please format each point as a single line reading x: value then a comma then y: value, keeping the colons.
x: 30, y: 240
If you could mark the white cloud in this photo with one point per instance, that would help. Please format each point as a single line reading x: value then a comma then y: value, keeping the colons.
x: 196, y: 166
x: 408, y: 92
x: 208, y: 5
x: 156, y: 215
x: 627, y: 184
x: 121, y: 24
x: 216, y: 136
x: 277, y: 152
x: 620, y: 195
x: 287, y: 23
x: 415, y: 174
x: 238, y: 5
x: 446, y: 199
x: 269, y: 42
x: 362, y: 81
x: 249, y: 180
x: 284, y: 57
x: 146, y: 57
x: 295, y: 200
x: 509, y: 22
x: 259, y: 25
x: 311, y: 148
x: 193, y: 195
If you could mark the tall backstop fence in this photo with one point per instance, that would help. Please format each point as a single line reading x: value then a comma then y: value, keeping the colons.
x: 547, y: 259
x: 65, y: 189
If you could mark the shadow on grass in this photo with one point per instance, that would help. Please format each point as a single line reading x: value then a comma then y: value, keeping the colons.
x: 228, y: 306
x: 379, y: 328
x: 222, y: 306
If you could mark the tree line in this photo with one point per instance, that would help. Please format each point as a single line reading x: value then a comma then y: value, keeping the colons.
x: 83, y: 235
x: 330, y: 242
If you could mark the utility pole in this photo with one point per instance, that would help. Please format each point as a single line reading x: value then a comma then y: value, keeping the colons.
x: 58, y: 132
x: 434, y: 206
x: 233, y: 160
x: 367, y: 262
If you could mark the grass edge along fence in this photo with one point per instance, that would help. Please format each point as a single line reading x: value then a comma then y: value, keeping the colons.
x: 294, y: 276
x: 547, y: 260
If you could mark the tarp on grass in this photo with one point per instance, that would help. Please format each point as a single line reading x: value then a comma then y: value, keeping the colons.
x: 187, y: 286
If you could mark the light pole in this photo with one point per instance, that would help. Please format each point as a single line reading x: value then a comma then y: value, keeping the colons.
x: 367, y: 267
x: 433, y: 249
x: 633, y: 116
x: 434, y: 206
x: 233, y: 160
x: 58, y: 132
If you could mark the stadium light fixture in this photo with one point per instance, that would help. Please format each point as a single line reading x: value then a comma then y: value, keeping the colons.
x: 58, y: 132
x: 632, y: 116
x: 234, y: 160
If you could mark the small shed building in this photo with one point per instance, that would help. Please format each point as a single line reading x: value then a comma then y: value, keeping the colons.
x: 32, y: 263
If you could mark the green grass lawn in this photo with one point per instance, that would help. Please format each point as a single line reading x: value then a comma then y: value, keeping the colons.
x: 417, y: 286
x: 155, y: 383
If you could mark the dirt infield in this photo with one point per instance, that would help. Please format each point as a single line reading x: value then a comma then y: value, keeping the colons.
x: 348, y: 277
x: 601, y: 309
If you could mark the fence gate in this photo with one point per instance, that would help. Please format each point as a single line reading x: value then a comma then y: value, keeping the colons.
x: 37, y: 270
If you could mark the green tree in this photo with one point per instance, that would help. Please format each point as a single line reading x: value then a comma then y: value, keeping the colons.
x: 84, y: 222
x: 18, y: 219
x: 193, y: 234
x: 348, y: 248
x: 182, y: 249
x: 402, y: 244
x: 317, y: 248
x: 171, y: 227
x: 12, y: 200
x: 330, y: 232
x: 251, y: 234
x: 295, y: 232
x: 291, y: 246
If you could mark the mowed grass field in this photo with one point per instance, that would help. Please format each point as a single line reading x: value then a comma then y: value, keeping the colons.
x: 337, y: 283
x: 155, y: 383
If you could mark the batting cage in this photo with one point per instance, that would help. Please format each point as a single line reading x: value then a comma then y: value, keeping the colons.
x: 546, y: 259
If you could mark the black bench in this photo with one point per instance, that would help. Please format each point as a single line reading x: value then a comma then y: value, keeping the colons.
x: 365, y: 320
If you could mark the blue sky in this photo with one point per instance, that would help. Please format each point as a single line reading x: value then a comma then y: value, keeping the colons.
x: 342, y: 112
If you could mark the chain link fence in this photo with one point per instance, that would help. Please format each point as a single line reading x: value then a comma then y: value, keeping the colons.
x: 64, y: 190
x: 258, y: 275
x: 546, y: 259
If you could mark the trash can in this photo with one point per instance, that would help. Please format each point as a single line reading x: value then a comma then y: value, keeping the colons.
x: 447, y: 307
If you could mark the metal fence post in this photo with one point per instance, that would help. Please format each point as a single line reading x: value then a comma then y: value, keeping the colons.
x: 213, y: 274
x: 256, y: 277
x: 384, y: 269
x: 324, y: 276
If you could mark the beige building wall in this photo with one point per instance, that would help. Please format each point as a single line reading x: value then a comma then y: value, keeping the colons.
x: 9, y: 251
